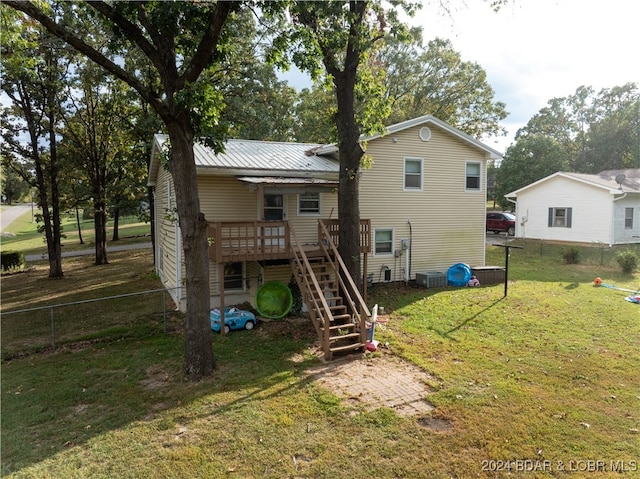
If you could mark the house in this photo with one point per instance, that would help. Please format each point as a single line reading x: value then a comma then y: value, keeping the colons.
x: 576, y: 207
x: 273, y: 208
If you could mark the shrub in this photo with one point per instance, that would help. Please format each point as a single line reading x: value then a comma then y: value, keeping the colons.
x: 296, y: 306
x: 627, y: 260
x: 571, y: 256
x: 12, y: 260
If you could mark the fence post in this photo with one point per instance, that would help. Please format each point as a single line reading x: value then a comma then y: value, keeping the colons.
x: 53, y: 329
x: 164, y: 308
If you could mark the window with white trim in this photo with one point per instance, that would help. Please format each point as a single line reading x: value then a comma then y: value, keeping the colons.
x: 628, y: 218
x: 560, y: 217
x: 472, y: 174
x: 413, y: 174
x: 383, y: 242
x: 309, y: 204
x: 233, y: 276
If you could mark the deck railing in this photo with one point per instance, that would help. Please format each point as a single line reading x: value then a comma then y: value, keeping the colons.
x: 231, y: 241
x: 249, y: 240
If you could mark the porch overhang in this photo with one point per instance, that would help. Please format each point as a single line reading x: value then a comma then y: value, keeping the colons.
x: 275, y: 184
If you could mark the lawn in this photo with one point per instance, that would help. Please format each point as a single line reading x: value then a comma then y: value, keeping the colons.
x: 27, y: 239
x: 547, y: 378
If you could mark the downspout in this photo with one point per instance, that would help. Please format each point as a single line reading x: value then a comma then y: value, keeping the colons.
x: 410, y: 246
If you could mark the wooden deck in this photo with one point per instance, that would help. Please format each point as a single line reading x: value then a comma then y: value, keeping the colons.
x: 232, y: 241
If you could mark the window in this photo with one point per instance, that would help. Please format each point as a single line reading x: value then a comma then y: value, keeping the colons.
x: 233, y: 276
x: 628, y: 218
x: 309, y: 204
x: 473, y: 175
x: 384, y: 242
x: 560, y: 217
x: 412, y: 174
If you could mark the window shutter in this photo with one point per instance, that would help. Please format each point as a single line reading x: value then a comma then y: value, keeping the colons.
x: 550, y: 217
x: 569, y: 217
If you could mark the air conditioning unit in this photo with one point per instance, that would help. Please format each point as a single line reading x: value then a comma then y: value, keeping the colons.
x: 432, y: 279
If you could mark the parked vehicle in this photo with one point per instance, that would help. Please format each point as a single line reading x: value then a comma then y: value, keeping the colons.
x: 498, y: 221
x: 233, y: 319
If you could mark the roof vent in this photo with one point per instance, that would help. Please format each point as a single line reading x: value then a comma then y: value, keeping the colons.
x: 425, y: 133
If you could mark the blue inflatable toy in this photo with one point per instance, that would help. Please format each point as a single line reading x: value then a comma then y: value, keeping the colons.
x: 459, y: 275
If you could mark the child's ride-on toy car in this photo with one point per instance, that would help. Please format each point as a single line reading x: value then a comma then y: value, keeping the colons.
x: 233, y: 319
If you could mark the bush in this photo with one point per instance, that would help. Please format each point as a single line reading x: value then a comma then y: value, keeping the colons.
x: 12, y: 260
x: 571, y: 256
x: 627, y: 260
x: 296, y: 307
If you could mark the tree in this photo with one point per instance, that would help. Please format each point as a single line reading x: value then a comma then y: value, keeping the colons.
x: 178, y: 41
x: 528, y: 160
x: 258, y: 105
x: 434, y: 80
x: 586, y: 132
x: 32, y: 76
x: 339, y: 37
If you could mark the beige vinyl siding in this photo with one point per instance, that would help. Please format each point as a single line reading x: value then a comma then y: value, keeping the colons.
x: 306, y: 226
x: 166, y: 265
x: 447, y: 222
x: 224, y: 198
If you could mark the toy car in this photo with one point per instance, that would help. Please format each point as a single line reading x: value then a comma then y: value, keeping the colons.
x: 233, y: 319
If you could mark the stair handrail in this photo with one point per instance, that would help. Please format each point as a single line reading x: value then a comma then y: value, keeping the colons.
x: 328, y: 315
x: 350, y: 283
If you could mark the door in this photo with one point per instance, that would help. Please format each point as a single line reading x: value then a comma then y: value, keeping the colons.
x: 274, y: 211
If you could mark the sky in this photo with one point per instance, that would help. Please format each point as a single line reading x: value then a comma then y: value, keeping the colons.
x: 536, y: 50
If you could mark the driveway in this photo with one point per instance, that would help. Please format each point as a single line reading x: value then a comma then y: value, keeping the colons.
x: 10, y: 213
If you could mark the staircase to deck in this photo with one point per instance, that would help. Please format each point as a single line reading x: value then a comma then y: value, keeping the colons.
x: 335, y: 305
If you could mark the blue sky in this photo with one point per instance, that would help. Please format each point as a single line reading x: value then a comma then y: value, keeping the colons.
x: 536, y: 50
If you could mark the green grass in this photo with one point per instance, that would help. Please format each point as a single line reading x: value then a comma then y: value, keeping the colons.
x: 28, y: 240
x: 549, y: 373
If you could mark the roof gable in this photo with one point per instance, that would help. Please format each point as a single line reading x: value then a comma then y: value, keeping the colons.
x: 605, y: 180
x: 425, y: 120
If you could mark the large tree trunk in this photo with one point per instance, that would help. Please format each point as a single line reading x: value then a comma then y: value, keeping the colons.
x: 52, y: 223
x: 198, y: 359
x: 349, y: 177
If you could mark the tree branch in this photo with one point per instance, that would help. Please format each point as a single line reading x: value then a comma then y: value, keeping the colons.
x: 61, y: 32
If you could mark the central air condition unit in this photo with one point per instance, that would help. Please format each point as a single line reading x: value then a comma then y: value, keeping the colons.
x: 432, y: 279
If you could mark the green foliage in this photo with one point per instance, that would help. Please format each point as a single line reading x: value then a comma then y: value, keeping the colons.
x: 435, y: 80
x: 571, y: 255
x: 12, y: 260
x: 628, y: 261
x: 586, y: 132
x: 296, y: 306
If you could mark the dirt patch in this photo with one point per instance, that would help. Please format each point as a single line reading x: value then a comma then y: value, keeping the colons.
x: 373, y: 382
x: 437, y: 424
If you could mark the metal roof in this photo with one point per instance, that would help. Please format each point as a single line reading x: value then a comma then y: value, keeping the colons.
x: 267, y: 157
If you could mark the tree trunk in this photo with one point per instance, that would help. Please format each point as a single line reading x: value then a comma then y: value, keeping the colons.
x: 100, y: 227
x: 198, y: 359
x: 79, y: 226
x: 349, y: 176
x: 116, y: 221
x: 52, y: 223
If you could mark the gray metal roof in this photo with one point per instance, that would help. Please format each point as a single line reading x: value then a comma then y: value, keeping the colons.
x: 271, y: 158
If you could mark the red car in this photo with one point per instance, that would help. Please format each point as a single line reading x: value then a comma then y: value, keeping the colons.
x: 501, y: 221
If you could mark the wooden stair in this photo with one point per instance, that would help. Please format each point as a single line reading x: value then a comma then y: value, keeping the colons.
x: 335, y: 305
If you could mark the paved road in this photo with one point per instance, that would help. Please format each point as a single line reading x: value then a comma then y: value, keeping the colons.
x: 10, y: 213
x: 87, y: 252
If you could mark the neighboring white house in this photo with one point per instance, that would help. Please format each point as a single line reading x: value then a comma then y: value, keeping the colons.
x: 424, y: 194
x: 576, y: 207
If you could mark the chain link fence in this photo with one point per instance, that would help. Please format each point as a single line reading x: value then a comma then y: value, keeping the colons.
x: 593, y: 253
x: 36, y: 329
